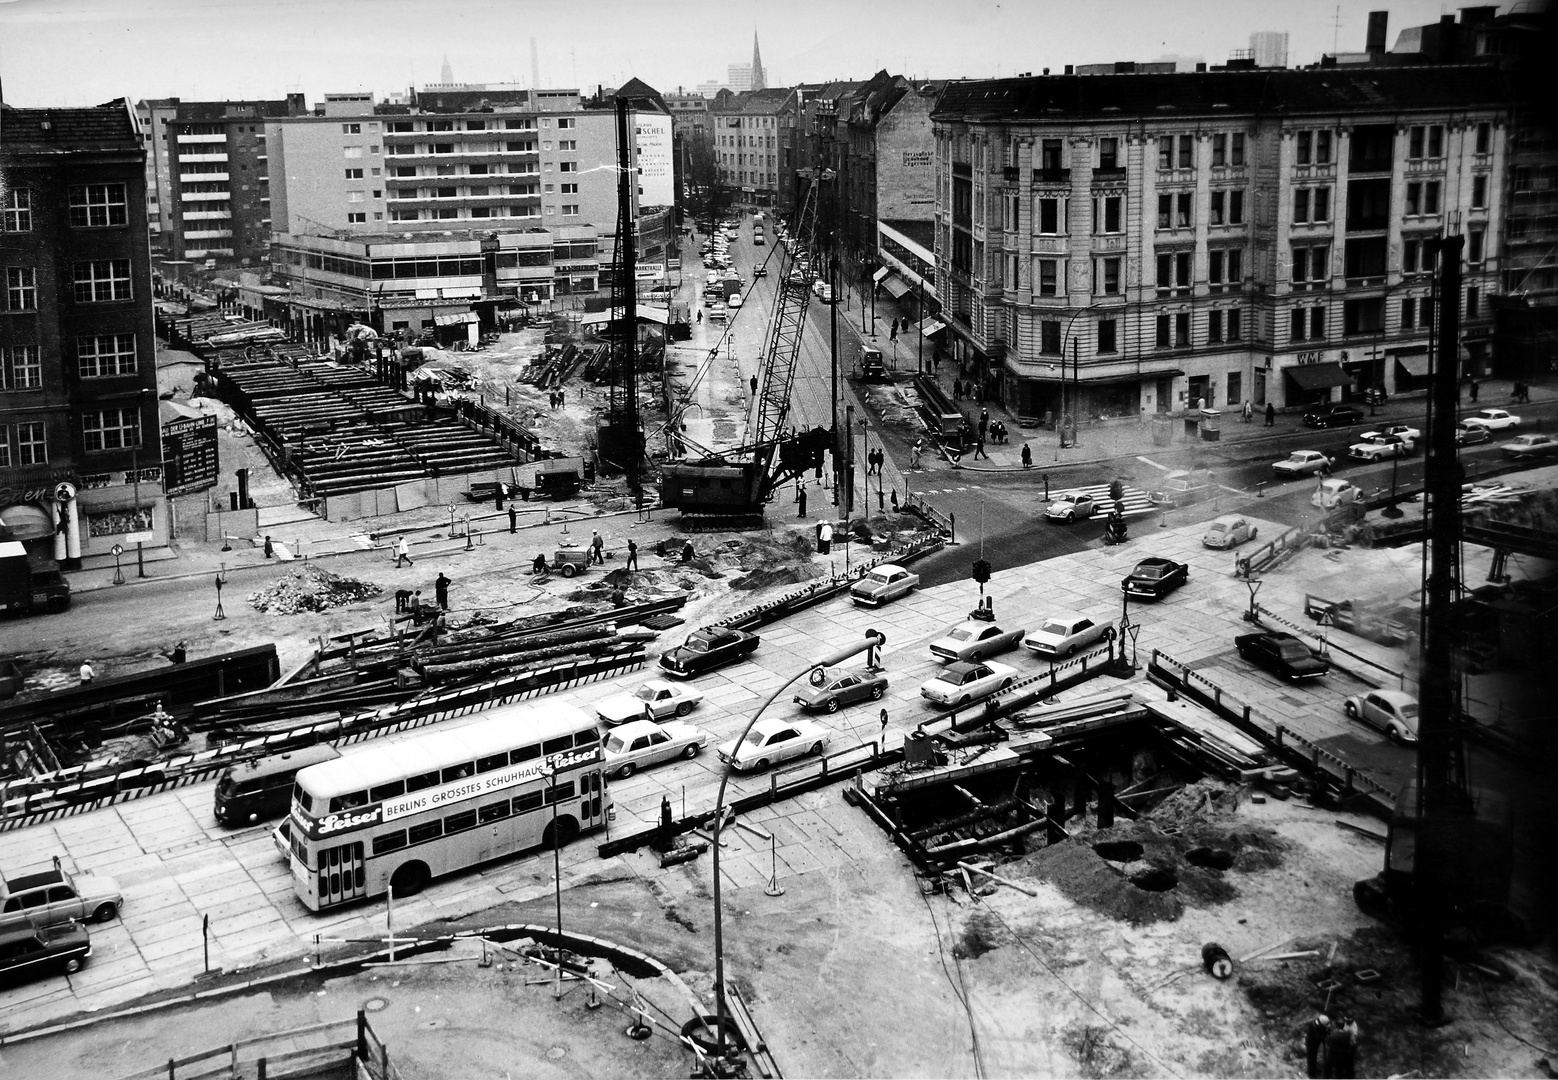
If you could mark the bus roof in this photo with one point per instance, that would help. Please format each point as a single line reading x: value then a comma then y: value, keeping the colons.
x: 504, y: 728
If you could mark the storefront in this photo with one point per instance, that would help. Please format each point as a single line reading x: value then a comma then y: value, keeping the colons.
x: 1413, y: 368
x: 1313, y: 383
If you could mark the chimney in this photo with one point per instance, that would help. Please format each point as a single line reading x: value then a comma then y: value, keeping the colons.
x: 1375, y: 42
x: 1070, y: 69
x: 1201, y: 66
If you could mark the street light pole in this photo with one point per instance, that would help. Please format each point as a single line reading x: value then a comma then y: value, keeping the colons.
x: 873, y: 640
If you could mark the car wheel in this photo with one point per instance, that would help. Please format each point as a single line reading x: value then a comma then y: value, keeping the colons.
x: 569, y: 569
x: 877, y: 691
x: 1007, y: 685
x: 626, y: 771
x: 962, y: 701
x: 684, y: 708
x: 691, y: 751
x: 104, y: 913
x: 1392, y: 734
x: 816, y: 748
x: 761, y: 766
x: 72, y: 965
x: 1070, y: 517
x: 1347, y: 707
x: 1253, y: 532
x: 1070, y: 650
x: 833, y: 704
x: 410, y: 879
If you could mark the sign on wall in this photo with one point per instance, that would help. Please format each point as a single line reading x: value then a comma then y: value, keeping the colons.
x: 189, y: 454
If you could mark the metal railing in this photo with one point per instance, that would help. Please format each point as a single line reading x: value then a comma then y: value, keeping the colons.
x: 1269, y: 552
x: 1326, y: 646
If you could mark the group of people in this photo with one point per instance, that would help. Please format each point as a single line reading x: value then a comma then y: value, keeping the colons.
x: 410, y: 600
x: 969, y: 389
x: 875, y: 459
x: 556, y: 399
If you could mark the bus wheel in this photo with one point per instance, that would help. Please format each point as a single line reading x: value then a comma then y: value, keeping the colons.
x: 410, y: 879
x: 566, y: 828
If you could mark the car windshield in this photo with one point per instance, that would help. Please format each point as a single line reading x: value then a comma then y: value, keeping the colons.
x: 701, y: 643
x: 1053, y: 627
x: 959, y: 634
x: 1217, y: 527
x: 1407, y: 710
x: 1148, y: 570
x: 755, y: 737
x: 645, y: 693
x: 615, y: 744
x: 878, y: 577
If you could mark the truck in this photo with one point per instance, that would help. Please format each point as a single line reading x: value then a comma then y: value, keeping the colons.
x: 1356, y: 617
x: 30, y: 581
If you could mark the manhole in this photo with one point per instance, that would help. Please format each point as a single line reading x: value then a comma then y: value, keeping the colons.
x: 557, y: 1053
x: 1155, y: 879
x: 1209, y: 858
x: 1119, y: 850
x: 375, y: 1004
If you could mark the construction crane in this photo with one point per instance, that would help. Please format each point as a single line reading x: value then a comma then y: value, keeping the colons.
x: 732, y: 487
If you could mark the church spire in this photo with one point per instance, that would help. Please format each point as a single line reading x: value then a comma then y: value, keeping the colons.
x: 759, y: 80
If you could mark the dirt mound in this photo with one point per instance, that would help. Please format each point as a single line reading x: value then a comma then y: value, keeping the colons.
x: 784, y: 575
x: 311, y: 589
x: 1204, y: 800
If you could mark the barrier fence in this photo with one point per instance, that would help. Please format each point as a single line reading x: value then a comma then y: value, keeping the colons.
x: 1326, y: 645
x: 1269, y: 552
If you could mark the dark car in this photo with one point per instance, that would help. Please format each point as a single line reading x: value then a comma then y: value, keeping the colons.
x: 27, y: 950
x: 262, y: 788
x: 832, y: 687
x: 1155, y: 578
x: 1283, y: 655
x: 1327, y: 416
x: 707, y: 649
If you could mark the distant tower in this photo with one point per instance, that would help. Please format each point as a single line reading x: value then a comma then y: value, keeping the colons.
x: 535, y: 66
x: 1269, y: 48
x: 446, y: 76
x: 759, y: 77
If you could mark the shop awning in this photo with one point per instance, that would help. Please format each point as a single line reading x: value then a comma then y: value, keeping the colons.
x: 1319, y: 376
x: 881, y: 272
x: 932, y: 326
x: 1415, y: 366
x: 27, y: 522
x: 896, y: 285
x: 456, y: 319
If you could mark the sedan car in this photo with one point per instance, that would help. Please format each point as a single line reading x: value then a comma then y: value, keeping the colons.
x: 664, y: 698
x: 1065, y: 633
x: 1071, y: 507
x: 1333, y: 493
x: 1492, y: 419
x: 973, y: 639
x: 1155, y: 578
x: 1530, y: 446
x: 1228, y: 531
x: 1180, y: 488
x: 1391, y: 711
x: 772, y: 741
x: 759, y: 271
x: 829, y: 689
x: 1302, y: 463
x: 1470, y: 434
x: 1405, y: 432
x: 735, y: 300
x: 961, y: 683
x: 1379, y: 448
x: 58, y: 896
x: 1327, y: 416
x: 883, y: 583
x: 640, y: 743
x: 707, y: 649
x: 27, y: 950
x: 281, y: 837
x: 1283, y: 655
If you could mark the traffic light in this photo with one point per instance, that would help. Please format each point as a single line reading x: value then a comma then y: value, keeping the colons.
x: 981, y: 572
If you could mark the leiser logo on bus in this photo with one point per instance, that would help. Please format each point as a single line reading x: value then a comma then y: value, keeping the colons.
x: 482, y: 784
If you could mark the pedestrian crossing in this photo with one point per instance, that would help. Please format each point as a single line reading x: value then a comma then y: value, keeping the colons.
x: 1135, y: 499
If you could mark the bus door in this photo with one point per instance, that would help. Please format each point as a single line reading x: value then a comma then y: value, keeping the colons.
x: 592, y: 807
x: 342, y: 875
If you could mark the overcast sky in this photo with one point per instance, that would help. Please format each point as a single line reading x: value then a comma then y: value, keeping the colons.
x: 82, y: 52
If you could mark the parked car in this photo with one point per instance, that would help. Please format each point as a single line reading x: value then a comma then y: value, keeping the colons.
x: 27, y: 950
x: 1530, y: 446
x: 666, y: 699
x: 1327, y: 416
x: 759, y: 271
x: 1070, y: 507
x: 960, y: 683
x: 1492, y: 419
x: 1228, y: 531
x: 1181, y: 488
x: 734, y: 300
x: 1392, y: 711
x: 1302, y: 463
x: 1065, y: 633
x: 1469, y: 434
x: 262, y: 788
x: 974, y: 639
x: 1380, y: 448
x: 872, y: 367
x: 1154, y: 578
x: 1405, y: 432
x: 1283, y: 655
x: 772, y: 741
x: 1335, y: 492
x: 828, y: 689
x: 641, y: 743
x: 707, y: 649
x: 883, y: 583
x: 55, y: 896
x: 281, y: 837
x: 757, y: 239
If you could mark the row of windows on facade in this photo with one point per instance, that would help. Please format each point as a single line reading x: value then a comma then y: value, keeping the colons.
x: 98, y: 281
x: 88, y: 206
x: 522, y: 146
x: 27, y: 443
x: 509, y: 123
x: 747, y: 140
x: 1223, y: 326
x: 446, y: 266
x: 97, y: 356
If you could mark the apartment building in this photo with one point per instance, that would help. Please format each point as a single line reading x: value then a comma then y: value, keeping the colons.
x: 153, y: 115
x: 753, y: 149
x: 80, y: 457
x: 1129, y: 244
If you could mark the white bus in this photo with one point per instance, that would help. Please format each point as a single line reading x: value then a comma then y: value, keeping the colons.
x: 406, y: 812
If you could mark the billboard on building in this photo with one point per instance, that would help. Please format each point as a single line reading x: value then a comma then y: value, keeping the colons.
x: 189, y: 454
x: 653, y: 137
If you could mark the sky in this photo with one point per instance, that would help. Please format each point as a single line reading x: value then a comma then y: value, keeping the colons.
x: 84, y: 52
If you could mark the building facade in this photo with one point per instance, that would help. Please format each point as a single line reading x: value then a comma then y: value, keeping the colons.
x: 80, y: 457
x: 153, y: 115
x: 752, y: 144
x: 1119, y: 245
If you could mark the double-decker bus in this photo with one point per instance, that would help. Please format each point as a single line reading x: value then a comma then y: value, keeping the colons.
x: 401, y: 814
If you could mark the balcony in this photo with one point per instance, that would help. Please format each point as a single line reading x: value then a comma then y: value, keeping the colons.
x: 196, y: 140
x: 1052, y: 176
x: 203, y: 178
x: 1113, y: 174
x: 203, y: 159
x: 204, y: 196
x: 1011, y: 174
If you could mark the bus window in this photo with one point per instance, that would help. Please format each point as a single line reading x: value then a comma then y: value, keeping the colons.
x: 387, y: 842
x: 557, y: 746
x: 524, y: 753
x: 525, y: 803
x: 587, y: 739
x: 459, y: 822
x: 560, y: 792
x: 458, y: 772
x: 348, y: 801
x: 422, y: 780
x: 495, y: 811
x: 428, y: 830
x: 387, y: 791
x: 488, y: 764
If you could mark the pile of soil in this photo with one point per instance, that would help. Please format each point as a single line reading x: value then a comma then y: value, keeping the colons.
x: 311, y: 589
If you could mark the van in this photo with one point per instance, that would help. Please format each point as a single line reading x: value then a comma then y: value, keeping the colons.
x: 262, y: 788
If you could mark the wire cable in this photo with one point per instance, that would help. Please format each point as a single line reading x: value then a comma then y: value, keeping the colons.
x: 1483, y: 983
x: 960, y: 993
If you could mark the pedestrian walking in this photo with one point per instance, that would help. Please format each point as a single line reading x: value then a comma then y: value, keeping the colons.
x: 1249, y: 410
x: 914, y: 453
x: 441, y: 591
x: 895, y: 500
x: 824, y: 539
x: 86, y: 673
x: 402, y: 551
x: 700, y: 315
x: 979, y: 448
x: 881, y: 500
x: 402, y: 600
x: 513, y: 519
x: 800, y: 501
x: 270, y: 550
x: 596, y: 547
x: 632, y: 563
x: 752, y: 382
x: 957, y: 390
x: 1027, y: 456
x: 892, y: 331
x: 1474, y: 391
x: 1271, y: 414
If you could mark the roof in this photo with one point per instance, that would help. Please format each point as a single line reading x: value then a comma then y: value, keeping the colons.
x: 98, y: 127
x: 641, y: 94
x: 207, y: 112
x: 754, y: 102
x: 1186, y: 94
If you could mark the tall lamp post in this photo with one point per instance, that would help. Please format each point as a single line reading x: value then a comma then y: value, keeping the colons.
x: 873, y: 640
x: 1076, y: 360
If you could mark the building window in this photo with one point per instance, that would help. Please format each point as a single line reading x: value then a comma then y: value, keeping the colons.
x: 1234, y: 329
x: 1109, y: 152
x: 1214, y: 267
x: 1409, y: 313
x: 1431, y: 197
x: 1472, y: 296
x: 1238, y: 149
x: 1479, y: 192
x: 351, y: 129
x: 1436, y: 141
x: 1047, y: 277
x: 1106, y: 336
x: 1219, y: 150
x: 563, y: 189
x: 111, y: 429
x: 1317, y: 324
x: 1415, y: 143
x: 5, y: 447
x: 1165, y: 152
x: 1111, y: 277
x: 356, y: 152
x: 354, y: 174
x: 358, y: 196
x: 23, y: 369
x: 1049, y: 336
x: 1305, y: 147
x: 1186, y: 150
x: 32, y: 445
x: 1236, y: 207
x: 1474, y: 246
x: 1049, y: 155
x: 1214, y: 327
x: 1162, y: 340
x: 1425, y: 312
x: 1049, y: 216
x: 1112, y: 213
x: 21, y: 288
x: 1322, y: 148
x: 1414, y: 199
x: 1182, y: 217
x: 570, y: 209
x: 16, y: 211
x: 1409, y: 256
x: 357, y: 217
x: 1235, y: 265
x: 1219, y: 200
x: 102, y: 281
x: 99, y: 205
x: 566, y: 122
x: 1309, y: 263
x: 1322, y: 204
x: 106, y: 354
x: 1165, y: 279
x: 1182, y: 329
x: 1300, y: 205
x: 567, y: 166
x: 1484, y: 137
x: 1165, y: 210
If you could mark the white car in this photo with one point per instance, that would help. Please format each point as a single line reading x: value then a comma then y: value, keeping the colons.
x: 1333, y: 493
x: 974, y: 639
x: 1530, y: 446
x: 772, y: 741
x: 1228, y: 531
x: 666, y: 699
x: 1379, y: 448
x: 1070, y: 507
x: 883, y: 583
x: 1405, y: 432
x: 961, y: 683
x: 1392, y: 711
x: 1302, y: 463
x: 735, y: 300
x: 1492, y: 419
x: 640, y: 743
x: 281, y: 836
x: 1063, y: 634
